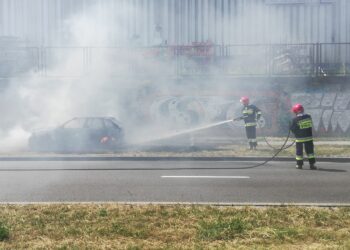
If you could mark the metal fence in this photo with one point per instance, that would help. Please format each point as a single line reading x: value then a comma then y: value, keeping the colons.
x: 266, y: 60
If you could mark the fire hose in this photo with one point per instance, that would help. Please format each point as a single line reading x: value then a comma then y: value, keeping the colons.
x: 269, y: 144
x: 278, y: 150
x: 272, y: 157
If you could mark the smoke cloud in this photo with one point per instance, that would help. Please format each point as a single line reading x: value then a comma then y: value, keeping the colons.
x: 86, y: 79
x: 107, y: 72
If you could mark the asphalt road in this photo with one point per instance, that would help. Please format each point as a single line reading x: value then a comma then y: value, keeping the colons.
x: 173, y: 181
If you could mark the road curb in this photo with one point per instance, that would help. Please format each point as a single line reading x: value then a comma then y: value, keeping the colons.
x: 151, y: 158
x: 166, y: 203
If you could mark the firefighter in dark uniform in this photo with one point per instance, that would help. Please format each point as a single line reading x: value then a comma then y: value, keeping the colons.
x: 302, y: 129
x: 251, y: 114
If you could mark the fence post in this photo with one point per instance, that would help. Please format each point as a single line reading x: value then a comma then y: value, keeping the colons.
x: 320, y: 58
x: 316, y: 60
x: 43, y: 61
x: 268, y: 60
x: 86, y: 60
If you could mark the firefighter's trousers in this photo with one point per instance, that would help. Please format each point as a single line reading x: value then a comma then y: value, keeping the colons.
x: 309, y: 149
x: 251, y: 135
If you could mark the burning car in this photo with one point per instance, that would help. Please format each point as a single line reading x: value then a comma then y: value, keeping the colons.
x: 81, y: 134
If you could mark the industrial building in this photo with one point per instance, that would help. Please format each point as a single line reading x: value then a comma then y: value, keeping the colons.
x: 313, y: 35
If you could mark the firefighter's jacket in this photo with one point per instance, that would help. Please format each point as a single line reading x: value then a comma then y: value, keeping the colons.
x: 302, y: 128
x: 250, y: 114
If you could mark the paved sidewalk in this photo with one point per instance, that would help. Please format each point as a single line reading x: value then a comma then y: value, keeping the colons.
x: 159, y: 158
x: 271, y: 140
x: 208, y: 149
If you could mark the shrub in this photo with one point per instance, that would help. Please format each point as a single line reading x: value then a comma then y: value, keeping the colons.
x: 4, y: 232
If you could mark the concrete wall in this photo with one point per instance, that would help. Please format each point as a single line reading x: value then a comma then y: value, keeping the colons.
x: 330, y: 109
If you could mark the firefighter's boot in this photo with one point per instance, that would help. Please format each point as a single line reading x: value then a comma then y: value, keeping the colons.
x: 313, y: 166
x: 299, y: 166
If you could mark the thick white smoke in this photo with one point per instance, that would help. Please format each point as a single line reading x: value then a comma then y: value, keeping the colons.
x: 97, y: 84
x: 104, y: 69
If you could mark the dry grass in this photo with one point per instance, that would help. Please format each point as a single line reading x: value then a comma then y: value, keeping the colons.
x: 238, y: 150
x: 113, y: 226
x: 324, y: 147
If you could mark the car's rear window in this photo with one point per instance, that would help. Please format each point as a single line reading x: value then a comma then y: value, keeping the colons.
x: 94, y: 123
x: 110, y: 124
x: 75, y: 123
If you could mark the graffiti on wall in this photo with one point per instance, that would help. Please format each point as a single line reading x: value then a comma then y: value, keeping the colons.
x: 330, y: 111
x: 190, y: 111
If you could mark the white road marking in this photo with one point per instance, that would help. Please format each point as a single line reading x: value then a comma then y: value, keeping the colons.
x: 205, y: 176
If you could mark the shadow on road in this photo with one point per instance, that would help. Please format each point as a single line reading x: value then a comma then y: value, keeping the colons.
x: 331, y: 170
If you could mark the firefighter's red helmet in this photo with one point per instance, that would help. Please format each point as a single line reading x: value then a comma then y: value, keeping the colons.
x: 298, y: 108
x: 244, y: 100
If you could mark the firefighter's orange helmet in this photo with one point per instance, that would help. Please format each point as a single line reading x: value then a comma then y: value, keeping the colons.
x: 298, y: 108
x: 244, y: 100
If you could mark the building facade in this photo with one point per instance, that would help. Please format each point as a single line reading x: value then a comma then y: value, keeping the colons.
x: 178, y: 22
